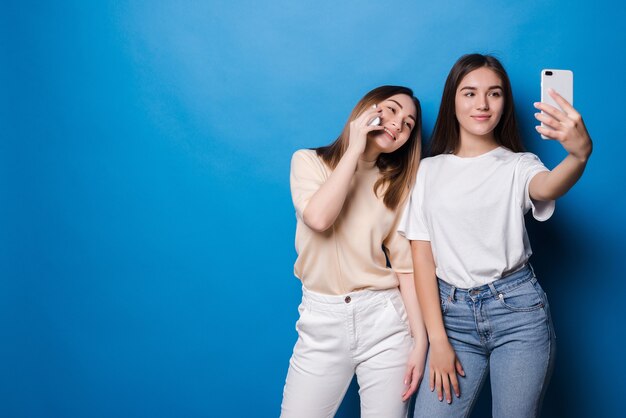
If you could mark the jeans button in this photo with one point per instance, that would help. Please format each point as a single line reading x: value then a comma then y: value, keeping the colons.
x: 348, y: 299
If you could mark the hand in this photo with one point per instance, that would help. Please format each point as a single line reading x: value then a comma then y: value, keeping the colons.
x: 359, y: 128
x: 414, y: 369
x: 565, y: 126
x: 444, y: 366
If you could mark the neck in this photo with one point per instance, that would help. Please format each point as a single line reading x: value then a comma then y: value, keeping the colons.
x: 370, y: 154
x: 473, y: 145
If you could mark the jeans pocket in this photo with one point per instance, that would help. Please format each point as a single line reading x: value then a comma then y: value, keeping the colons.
x: 444, y: 304
x: 546, y: 306
x: 301, y: 322
x: 399, y: 310
x: 524, y: 298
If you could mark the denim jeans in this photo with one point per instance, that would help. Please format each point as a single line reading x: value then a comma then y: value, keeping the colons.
x: 502, y: 329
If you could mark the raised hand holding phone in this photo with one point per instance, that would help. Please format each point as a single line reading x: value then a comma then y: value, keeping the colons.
x: 360, y: 127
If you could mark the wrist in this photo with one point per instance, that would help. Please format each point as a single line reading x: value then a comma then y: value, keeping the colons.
x: 354, y: 151
x: 438, y: 340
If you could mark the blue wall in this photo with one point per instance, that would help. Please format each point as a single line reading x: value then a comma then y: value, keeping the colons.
x: 146, y: 226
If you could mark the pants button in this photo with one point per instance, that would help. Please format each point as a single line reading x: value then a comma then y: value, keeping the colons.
x: 348, y: 299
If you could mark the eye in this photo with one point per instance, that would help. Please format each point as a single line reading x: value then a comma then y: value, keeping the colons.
x: 469, y: 94
x: 408, y: 125
x: 496, y: 93
x: 393, y: 110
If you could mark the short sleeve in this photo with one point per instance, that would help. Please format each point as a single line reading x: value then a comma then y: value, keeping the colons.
x: 528, y: 166
x: 399, y: 249
x: 307, y: 176
x: 412, y: 225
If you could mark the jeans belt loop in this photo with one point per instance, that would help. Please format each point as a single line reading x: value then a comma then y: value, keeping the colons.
x: 494, y: 291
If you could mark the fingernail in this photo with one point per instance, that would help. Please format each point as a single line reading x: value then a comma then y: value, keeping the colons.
x: 449, y: 401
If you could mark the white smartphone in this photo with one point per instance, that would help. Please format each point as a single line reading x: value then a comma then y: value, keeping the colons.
x: 561, y: 81
x: 376, y: 120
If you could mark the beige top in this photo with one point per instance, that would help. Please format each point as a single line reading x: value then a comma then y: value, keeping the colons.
x: 349, y: 255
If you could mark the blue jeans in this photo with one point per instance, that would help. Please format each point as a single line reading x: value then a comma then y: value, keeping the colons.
x: 502, y: 329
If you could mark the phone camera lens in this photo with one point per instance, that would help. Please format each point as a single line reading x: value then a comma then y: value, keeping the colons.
x: 548, y: 72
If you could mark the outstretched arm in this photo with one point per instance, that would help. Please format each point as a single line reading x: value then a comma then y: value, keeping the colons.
x: 325, y: 205
x: 567, y: 127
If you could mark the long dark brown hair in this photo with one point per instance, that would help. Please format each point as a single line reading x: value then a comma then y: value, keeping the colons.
x: 445, y: 137
x: 398, y: 168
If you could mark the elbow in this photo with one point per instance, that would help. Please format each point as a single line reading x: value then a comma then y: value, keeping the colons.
x: 316, y: 223
x: 544, y: 197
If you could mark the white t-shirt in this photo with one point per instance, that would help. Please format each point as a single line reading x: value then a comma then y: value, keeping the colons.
x: 472, y: 212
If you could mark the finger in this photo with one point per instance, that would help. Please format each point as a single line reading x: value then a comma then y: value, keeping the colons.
x: 370, y: 114
x: 431, y: 380
x: 417, y: 376
x: 547, y: 120
x: 459, y: 368
x: 455, y: 386
x: 551, y: 110
x: 439, y: 386
x: 446, y: 387
x: 549, y: 133
x: 414, y: 382
x: 408, y: 374
x: 565, y: 105
x: 410, y: 390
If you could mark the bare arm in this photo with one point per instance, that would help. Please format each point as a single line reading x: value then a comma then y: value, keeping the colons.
x: 568, y: 128
x: 325, y: 205
x: 444, y: 364
x: 415, y: 364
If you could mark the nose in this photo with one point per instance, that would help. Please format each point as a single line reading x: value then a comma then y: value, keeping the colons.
x: 397, y: 123
x: 482, y: 103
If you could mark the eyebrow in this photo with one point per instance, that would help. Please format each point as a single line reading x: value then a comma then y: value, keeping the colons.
x: 474, y: 88
x: 401, y: 107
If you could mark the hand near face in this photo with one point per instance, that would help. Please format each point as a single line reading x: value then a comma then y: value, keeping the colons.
x: 360, y: 127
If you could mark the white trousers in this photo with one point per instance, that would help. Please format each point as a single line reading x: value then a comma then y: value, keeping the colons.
x: 364, y: 332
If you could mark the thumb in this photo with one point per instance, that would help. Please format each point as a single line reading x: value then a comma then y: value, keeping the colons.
x: 459, y: 368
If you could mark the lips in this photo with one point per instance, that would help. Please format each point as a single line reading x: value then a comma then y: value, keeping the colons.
x: 481, y: 118
x: 388, y: 132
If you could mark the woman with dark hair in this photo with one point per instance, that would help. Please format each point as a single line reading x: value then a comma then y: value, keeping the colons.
x: 359, y: 311
x: 483, y: 308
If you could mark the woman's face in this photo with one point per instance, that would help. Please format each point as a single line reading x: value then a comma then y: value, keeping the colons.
x: 478, y: 103
x: 398, y: 120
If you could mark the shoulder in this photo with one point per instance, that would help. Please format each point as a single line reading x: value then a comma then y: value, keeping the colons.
x: 306, y: 162
x: 430, y: 162
x: 507, y: 154
x: 305, y: 157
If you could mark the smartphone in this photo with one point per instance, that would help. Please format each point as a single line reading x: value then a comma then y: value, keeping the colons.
x: 561, y: 81
x: 376, y: 120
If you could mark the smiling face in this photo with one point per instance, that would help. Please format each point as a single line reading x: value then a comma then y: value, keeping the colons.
x: 398, y: 118
x: 479, y: 103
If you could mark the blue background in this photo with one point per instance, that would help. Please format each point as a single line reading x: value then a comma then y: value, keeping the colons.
x: 146, y: 248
